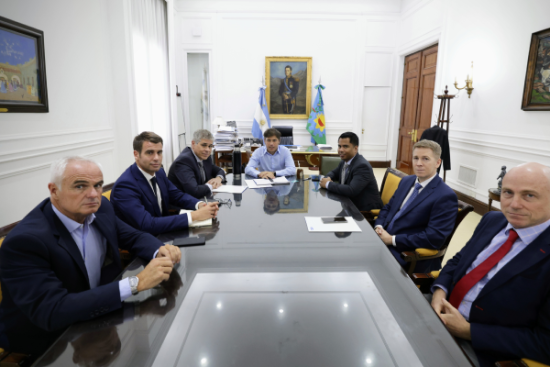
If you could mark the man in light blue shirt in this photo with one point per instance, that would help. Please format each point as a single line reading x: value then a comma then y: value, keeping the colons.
x: 271, y: 160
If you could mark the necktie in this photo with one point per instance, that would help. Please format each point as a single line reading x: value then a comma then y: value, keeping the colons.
x: 154, y: 184
x: 343, y: 175
x: 201, y: 166
x: 416, y: 190
x: 464, y: 285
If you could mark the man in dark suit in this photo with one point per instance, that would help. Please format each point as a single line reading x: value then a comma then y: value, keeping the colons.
x: 353, y: 177
x: 56, y: 266
x: 193, y: 171
x: 497, y: 286
x: 288, y: 90
x: 422, y: 211
x: 142, y: 194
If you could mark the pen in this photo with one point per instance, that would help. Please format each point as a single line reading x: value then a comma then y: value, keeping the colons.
x: 205, y: 199
x: 269, y: 178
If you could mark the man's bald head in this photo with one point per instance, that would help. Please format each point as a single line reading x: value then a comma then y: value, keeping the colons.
x: 525, y: 197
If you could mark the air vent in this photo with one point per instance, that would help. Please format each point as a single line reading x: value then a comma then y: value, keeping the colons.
x: 467, y: 175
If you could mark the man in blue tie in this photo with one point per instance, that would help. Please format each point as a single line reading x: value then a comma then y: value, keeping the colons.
x: 422, y: 211
x: 495, y: 292
x: 271, y: 160
x: 143, y: 194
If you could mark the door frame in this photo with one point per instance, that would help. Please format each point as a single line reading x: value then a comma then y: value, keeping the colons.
x: 395, y: 120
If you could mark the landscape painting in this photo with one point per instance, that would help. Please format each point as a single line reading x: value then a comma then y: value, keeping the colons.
x: 288, y: 91
x: 22, y: 68
x: 536, y: 94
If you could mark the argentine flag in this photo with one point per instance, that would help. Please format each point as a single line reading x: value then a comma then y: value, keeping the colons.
x: 261, y: 117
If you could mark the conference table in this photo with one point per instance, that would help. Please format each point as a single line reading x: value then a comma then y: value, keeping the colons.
x: 264, y: 291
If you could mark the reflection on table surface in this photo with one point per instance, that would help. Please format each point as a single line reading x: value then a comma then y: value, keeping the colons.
x: 261, y: 235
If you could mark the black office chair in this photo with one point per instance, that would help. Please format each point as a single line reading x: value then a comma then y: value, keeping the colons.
x: 286, y: 135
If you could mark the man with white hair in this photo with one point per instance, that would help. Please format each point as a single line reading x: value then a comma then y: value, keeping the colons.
x: 57, y: 266
x: 495, y: 292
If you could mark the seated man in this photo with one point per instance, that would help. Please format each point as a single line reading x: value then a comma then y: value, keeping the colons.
x: 57, y: 265
x: 142, y: 194
x: 271, y: 160
x: 422, y: 211
x: 193, y: 171
x: 353, y: 177
x: 497, y: 285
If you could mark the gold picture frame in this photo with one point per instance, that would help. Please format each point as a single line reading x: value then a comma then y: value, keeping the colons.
x: 288, y: 97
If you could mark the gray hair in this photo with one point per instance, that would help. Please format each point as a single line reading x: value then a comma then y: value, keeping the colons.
x: 202, y: 134
x: 57, y: 169
x: 429, y: 144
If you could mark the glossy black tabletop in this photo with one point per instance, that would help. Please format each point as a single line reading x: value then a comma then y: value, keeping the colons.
x: 265, y: 291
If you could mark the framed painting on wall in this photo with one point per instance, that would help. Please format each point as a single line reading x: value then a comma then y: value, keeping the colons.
x: 22, y: 68
x: 288, y: 92
x: 536, y: 92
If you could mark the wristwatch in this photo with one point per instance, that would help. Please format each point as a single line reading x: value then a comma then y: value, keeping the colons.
x: 274, y: 173
x: 134, y: 281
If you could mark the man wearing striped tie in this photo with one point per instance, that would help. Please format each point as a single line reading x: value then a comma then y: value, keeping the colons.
x: 496, y: 291
x: 423, y: 210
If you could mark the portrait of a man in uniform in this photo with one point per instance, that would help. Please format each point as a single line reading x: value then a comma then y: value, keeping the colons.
x: 287, y: 92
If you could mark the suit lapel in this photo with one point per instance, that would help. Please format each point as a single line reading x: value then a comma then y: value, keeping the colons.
x: 423, y: 194
x: 145, y: 188
x: 536, y: 251
x: 65, y: 240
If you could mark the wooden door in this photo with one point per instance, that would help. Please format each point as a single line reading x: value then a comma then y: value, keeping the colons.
x: 417, y: 102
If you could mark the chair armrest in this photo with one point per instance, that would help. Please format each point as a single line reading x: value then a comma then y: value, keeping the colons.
x: 375, y: 212
x: 524, y: 362
x: 424, y: 281
x: 424, y: 252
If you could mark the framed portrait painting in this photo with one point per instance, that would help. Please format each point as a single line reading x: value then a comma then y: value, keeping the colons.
x: 22, y: 68
x: 288, y: 91
x: 536, y: 92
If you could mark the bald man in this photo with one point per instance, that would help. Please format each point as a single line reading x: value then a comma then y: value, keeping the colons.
x: 496, y: 291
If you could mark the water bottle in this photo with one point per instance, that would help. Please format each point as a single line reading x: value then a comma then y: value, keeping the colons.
x: 237, y: 161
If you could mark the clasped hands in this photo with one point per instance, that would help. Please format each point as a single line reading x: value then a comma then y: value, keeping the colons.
x: 324, y: 181
x: 451, y: 317
x: 384, y: 235
x: 159, y: 269
x: 215, y: 182
x: 205, y: 211
x: 266, y: 174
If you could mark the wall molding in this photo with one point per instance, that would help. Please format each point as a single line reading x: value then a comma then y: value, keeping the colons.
x: 51, y: 134
x: 500, y: 134
x: 41, y: 151
x: 46, y: 165
x: 498, y: 146
x: 412, y: 9
x: 421, y: 42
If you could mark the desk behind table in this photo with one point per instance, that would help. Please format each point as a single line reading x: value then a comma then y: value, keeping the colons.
x: 265, y: 289
x: 309, y: 156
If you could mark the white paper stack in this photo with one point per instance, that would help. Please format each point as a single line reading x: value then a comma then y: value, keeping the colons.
x: 315, y: 224
x: 225, y: 138
x: 265, y: 182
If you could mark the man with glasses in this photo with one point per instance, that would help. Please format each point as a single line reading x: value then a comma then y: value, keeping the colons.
x: 193, y: 171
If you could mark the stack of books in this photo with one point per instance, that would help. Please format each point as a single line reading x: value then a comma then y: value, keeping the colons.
x: 225, y: 139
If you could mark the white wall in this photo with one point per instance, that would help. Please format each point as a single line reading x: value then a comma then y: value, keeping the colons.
x: 240, y: 34
x: 489, y: 129
x: 82, y: 102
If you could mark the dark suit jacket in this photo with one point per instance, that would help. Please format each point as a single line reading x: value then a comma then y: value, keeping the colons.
x: 135, y: 202
x: 360, y: 184
x: 510, y: 319
x: 440, y: 136
x: 185, y: 174
x: 426, y: 222
x: 44, y: 280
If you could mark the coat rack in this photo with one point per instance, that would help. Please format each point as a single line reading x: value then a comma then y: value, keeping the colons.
x: 444, y: 115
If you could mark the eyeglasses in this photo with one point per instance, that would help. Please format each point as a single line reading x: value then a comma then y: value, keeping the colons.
x: 226, y: 202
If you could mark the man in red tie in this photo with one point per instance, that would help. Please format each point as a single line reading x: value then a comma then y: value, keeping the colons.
x: 496, y: 291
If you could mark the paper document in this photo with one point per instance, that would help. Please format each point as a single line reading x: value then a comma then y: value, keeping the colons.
x: 230, y: 189
x: 315, y: 224
x: 274, y: 181
x: 200, y: 223
x: 252, y: 185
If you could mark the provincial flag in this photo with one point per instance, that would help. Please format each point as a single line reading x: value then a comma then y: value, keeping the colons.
x: 316, y: 122
x: 261, y: 117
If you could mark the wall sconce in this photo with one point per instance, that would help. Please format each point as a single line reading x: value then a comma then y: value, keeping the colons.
x: 469, y: 82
